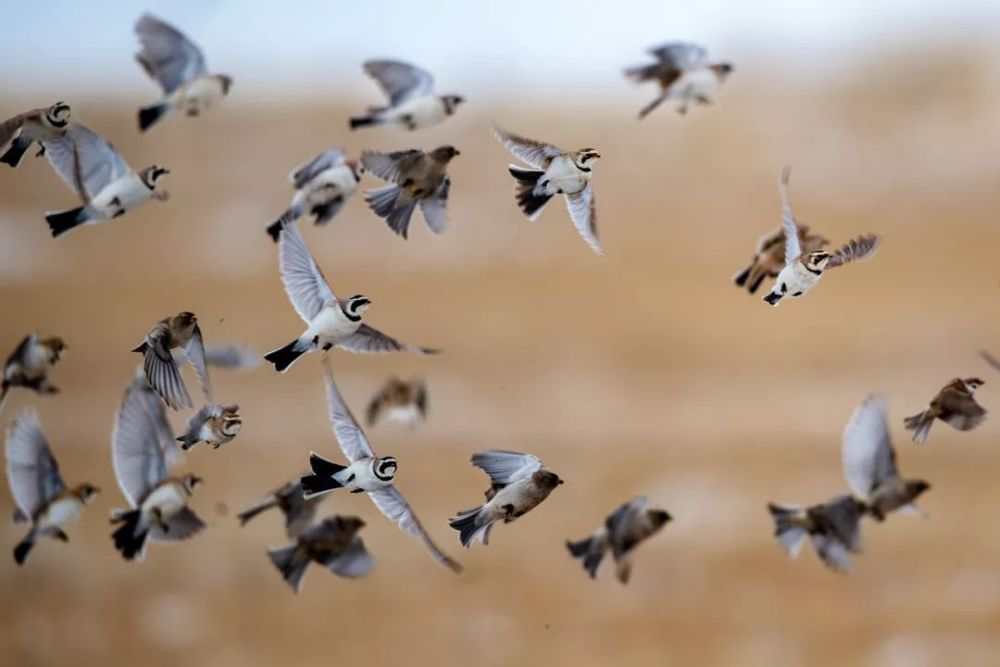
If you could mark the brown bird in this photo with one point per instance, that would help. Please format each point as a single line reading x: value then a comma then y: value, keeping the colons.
x: 29, y: 365
x: 769, y: 257
x: 684, y: 73
x: 298, y: 511
x: 420, y: 179
x: 18, y: 133
x: 954, y: 404
x: 333, y: 543
x: 833, y: 528
x: 400, y: 401
x: 177, y: 331
x: 622, y: 532
x: 214, y: 425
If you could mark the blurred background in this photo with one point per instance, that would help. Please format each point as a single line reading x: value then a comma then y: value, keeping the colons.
x: 646, y: 372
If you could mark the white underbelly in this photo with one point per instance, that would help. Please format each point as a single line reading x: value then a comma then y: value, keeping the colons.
x: 794, y: 281
x: 121, y: 195
x: 61, y: 512
x: 362, y: 477
x: 332, y: 183
x: 697, y: 83
x: 330, y: 327
x: 406, y: 414
x: 421, y: 112
x: 199, y: 95
x: 563, y: 177
x: 166, y: 499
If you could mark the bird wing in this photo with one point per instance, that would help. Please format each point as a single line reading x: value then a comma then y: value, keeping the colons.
x: 391, y: 503
x: 368, y: 340
x: 352, y: 562
x: 332, y: 157
x: 680, y: 55
x: 434, y: 208
x: 861, y: 248
x: 352, y: 439
x: 85, y: 161
x: 990, y: 359
x: 180, y: 526
x: 194, y: 350
x: 392, y: 167
x: 10, y: 129
x: 399, y: 81
x: 529, y: 151
x: 162, y: 372
x: 583, y: 213
x: 844, y: 517
x: 154, y: 405
x: 305, y: 285
x: 167, y: 55
x: 792, y: 248
x: 962, y: 404
x: 231, y: 356
x: 21, y: 350
x: 618, y: 525
x: 31, y: 469
x: 199, y: 418
x: 868, y: 456
x: 505, y: 467
x: 138, y: 459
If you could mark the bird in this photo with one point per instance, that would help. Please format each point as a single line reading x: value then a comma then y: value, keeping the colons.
x: 870, y: 463
x: 684, y: 73
x: 412, y: 102
x: 236, y: 357
x: 288, y: 498
x: 214, y: 424
x: 29, y: 365
x: 419, y: 179
x: 833, y: 527
x: 955, y: 405
x: 802, y: 270
x: 322, y: 187
x: 769, y: 257
x: 18, y: 133
x: 365, y: 473
x: 398, y: 400
x: 554, y: 172
x: 99, y: 175
x: 333, y: 543
x: 178, y: 66
x: 39, y: 491
x: 162, y: 372
x: 158, y: 501
x: 331, y: 322
x: 622, y: 532
x: 518, y: 483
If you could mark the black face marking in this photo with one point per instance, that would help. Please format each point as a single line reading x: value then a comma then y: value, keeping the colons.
x: 815, y: 272
x: 584, y: 169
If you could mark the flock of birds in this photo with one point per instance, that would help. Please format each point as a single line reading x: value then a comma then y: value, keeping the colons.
x: 145, y: 448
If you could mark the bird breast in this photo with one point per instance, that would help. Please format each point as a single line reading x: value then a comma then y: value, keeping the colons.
x: 331, y: 325
x: 129, y: 191
x: 168, y: 498
x: 61, y: 511
x: 564, y: 177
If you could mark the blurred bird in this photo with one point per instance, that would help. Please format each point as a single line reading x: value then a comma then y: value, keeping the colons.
x: 158, y: 501
x: 683, y: 72
x: 298, y: 511
x: 332, y: 322
x: 990, y: 359
x: 629, y: 525
x: 333, y: 543
x: 870, y: 463
x: 954, y: 404
x: 412, y: 102
x: 141, y: 392
x: 420, y: 180
x: 519, y: 483
x: 178, y: 66
x: 215, y: 425
x: 769, y: 257
x: 554, y: 172
x: 29, y: 365
x: 18, y: 133
x: 162, y: 373
x: 802, y: 270
x: 38, y: 489
x: 236, y: 357
x: 99, y: 175
x: 322, y: 187
x: 396, y: 400
x: 833, y: 528
x: 366, y: 472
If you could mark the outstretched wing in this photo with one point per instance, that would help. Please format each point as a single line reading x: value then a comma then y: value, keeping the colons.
x: 391, y: 166
x: 368, y: 340
x: 792, y: 247
x: 352, y: 439
x: 854, y: 250
x: 167, y: 54
x: 584, y: 216
x: 529, y: 151
x: 868, y: 456
x: 399, y: 81
x: 138, y: 459
x: 31, y: 469
x: 85, y: 161
x: 332, y: 157
x: 305, y: 285
x: 194, y: 350
x: 231, y: 356
x: 392, y: 504
x: 680, y: 55
x: 505, y: 467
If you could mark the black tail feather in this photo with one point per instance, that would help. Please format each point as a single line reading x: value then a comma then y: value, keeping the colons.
x: 322, y: 479
x: 584, y: 550
x: 291, y: 563
x: 246, y: 515
x: 129, y: 540
x: 151, y: 115
x: 16, y: 151
x: 524, y: 190
x: 61, y: 222
x: 465, y: 524
x: 284, y: 357
x: 22, y: 549
x: 741, y: 278
x: 362, y: 121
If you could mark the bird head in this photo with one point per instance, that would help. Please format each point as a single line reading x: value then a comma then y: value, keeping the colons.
x: 659, y: 517
x: 225, y: 81
x: 444, y: 154
x: 356, y: 305
x: 722, y: 70
x: 231, y: 424
x: 973, y: 383
x: 451, y: 103
x: 150, y: 175
x: 85, y: 492
x: 585, y: 158
x: 58, y: 114
x: 546, y: 479
x: 56, y: 344
x: 190, y: 481
x: 915, y: 487
x: 385, y: 468
x: 817, y: 261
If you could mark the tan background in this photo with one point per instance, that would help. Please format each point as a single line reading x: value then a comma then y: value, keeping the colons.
x: 647, y: 372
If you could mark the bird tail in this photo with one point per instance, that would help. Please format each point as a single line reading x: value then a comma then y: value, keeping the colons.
x: 468, y: 528
x: 646, y: 110
x: 24, y: 547
x: 284, y: 357
x: 188, y: 440
x: 790, y: 533
x: 61, y: 222
x: 130, y: 537
x: 16, y: 151
x: 385, y: 202
x: 152, y: 114
x: 321, y: 481
x: 741, y: 278
x: 290, y: 215
x: 920, y: 424
x: 773, y: 297
x: 643, y: 72
x: 585, y: 550
x: 363, y: 121
x: 291, y: 563
x: 250, y: 513
x: 525, y: 180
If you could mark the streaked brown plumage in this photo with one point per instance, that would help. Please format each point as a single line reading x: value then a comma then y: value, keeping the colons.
x: 333, y: 543
x: 400, y: 400
x: 954, y: 404
x: 30, y: 363
x: 622, y: 532
x: 419, y: 178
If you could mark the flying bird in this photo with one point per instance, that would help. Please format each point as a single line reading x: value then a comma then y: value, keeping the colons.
x: 18, y: 133
x: 803, y: 270
x: 518, y: 484
x: 400, y: 401
x: 215, y: 425
x: 554, y: 172
x: 412, y: 102
x: 333, y: 543
x: 419, y: 179
x: 833, y: 528
x: 769, y: 257
x: 365, y: 473
x: 29, y: 365
x: 331, y: 322
x: 178, y: 66
x: 158, y: 501
x: 322, y: 187
x: 162, y: 372
x: 39, y: 490
x: 955, y: 405
x: 99, y: 175
x: 683, y: 72
x: 627, y: 527
x: 298, y: 511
